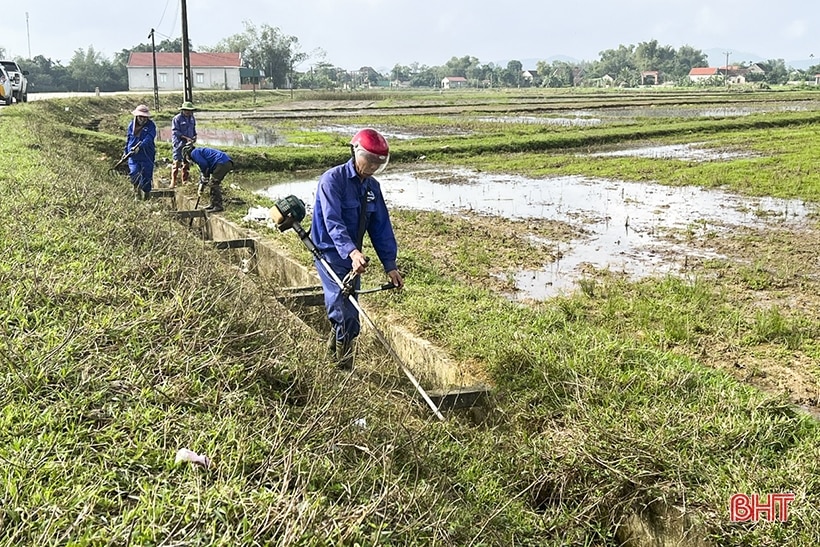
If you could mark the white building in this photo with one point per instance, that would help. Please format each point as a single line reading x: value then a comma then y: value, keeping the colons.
x: 450, y: 82
x: 208, y: 71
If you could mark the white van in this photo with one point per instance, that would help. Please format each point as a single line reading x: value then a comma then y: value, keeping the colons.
x: 6, y: 92
x: 19, y: 82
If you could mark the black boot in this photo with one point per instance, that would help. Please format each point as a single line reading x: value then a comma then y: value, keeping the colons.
x: 216, y: 199
x: 331, y: 343
x: 344, y: 355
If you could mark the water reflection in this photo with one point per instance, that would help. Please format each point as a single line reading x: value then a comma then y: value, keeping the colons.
x: 694, y: 111
x: 625, y: 222
x: 347, y: 130
x: 231, y: 137
x: 565, y: 122
x: 688, y: 151
x: 389, y: 133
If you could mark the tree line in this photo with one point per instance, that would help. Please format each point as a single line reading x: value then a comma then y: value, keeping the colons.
x: 266, y: 48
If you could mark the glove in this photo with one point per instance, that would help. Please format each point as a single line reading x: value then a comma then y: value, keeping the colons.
x: 203, y: 182
x: 135, y: 149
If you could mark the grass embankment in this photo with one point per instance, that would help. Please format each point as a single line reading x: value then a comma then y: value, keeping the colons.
x: 124, y: 339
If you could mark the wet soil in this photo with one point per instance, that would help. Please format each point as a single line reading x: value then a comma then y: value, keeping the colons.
x: 760, y: 269
x: 765, y: 269
x: 761, y: 266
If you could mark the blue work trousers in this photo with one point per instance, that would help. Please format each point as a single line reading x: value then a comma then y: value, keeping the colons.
x: 343, y: 315
x: 142, y: 174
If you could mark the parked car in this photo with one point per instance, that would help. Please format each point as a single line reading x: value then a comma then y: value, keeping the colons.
x: 19, y: 82
x: 6, y: 92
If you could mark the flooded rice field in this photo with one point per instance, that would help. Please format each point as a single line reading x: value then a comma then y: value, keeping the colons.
x: 686, y: 151
x: 267, y: 124
x: 627, y: 228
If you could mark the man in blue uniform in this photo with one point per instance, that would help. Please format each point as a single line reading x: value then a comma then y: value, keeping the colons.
x: 349, y: 203
x: 139, y: 142
x: 213, y: 165
x: 183, y: 131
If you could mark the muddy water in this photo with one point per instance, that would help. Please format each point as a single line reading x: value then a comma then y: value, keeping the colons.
x: 626, y: 224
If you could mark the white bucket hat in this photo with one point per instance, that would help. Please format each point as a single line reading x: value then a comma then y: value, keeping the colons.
x: 142, y: 110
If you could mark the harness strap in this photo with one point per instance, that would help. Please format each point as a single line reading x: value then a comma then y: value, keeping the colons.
x: 362, y: 219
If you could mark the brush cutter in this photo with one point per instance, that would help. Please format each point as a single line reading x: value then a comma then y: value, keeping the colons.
x: 123, y: 159
x: 202, y: 184
x: 349, y: 288
x: 287, y: 213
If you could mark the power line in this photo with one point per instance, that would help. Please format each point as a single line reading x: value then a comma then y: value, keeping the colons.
x: 726, y: 74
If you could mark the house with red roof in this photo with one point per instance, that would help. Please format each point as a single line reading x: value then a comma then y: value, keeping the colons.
x: 702, y: 73
x: 733, y: 74
x: 208, y: 71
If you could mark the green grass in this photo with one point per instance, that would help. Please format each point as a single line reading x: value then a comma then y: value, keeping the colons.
x: 124, y: 338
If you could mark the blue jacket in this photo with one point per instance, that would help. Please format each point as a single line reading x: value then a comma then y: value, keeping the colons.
x: 182, y: 126
x: 208, y: 158
x: 145, y: 140
x: 335, y: 223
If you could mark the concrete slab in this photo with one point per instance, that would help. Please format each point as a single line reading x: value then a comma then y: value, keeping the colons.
x: 162, y: 193
x: 244, y: 243
x: 193, y: 213
x: 454, y: 399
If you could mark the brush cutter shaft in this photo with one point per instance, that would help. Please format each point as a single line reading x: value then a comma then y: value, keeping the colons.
x: 196, y: 206
x: 386, y: 287
x: 305, y: 237
x: 397, y: 359
x: 123, y: 159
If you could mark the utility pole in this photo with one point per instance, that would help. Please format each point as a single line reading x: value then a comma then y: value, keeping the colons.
x: 290, y: 78
x: 726, y: 73
x: 156, y: 86
x: 28, y: 37
x: 186, y: 56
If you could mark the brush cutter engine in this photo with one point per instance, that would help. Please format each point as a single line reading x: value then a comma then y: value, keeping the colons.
x: 288, y: 211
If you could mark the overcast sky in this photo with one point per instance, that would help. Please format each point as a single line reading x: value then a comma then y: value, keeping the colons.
x: 383, y: 33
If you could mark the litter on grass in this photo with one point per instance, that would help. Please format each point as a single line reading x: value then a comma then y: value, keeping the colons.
x: 257, y: 214
x: 186, y: 455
